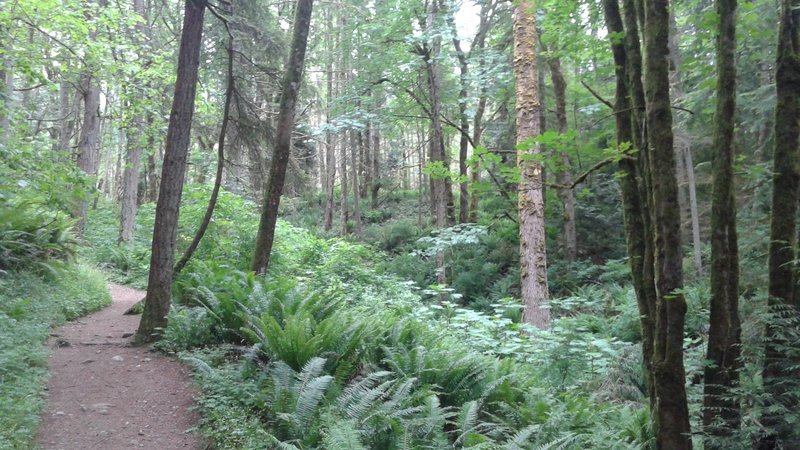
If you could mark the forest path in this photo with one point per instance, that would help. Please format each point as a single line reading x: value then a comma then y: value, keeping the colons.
x: 105, y: 394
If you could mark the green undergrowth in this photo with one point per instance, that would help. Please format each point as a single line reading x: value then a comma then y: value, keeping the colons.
x: 30, y: 305
x: 328, y: 352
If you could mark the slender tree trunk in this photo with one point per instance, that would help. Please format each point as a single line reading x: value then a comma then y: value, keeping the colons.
x: 344, y: 211
x: 283, y: 144
x: 89, y: 142
x: 355, y: 145
x: 687, y: 188
x: 720, y: 407
x: 633, y: 204
x: 330, y: 152
x: 212, y: 201
x: 375, y: 136
x: 65, y: 114
x: 780, y: 372
x: 672, y: 414
x: 133, y: 154
x: 463, y: 143
x: 564, y: 176
x: 633, y: 14
x: 442, y: 194
x: 165, y: 229
x: 533, y: 255
x: 694, y: 213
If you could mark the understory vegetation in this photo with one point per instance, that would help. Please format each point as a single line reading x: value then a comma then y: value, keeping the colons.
x: 338, y: 348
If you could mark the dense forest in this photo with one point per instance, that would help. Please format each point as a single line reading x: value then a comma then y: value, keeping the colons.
x: 416, y: 224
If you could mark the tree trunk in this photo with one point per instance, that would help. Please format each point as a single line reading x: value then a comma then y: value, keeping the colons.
x: 133, y: 154
x: 330, y: 153
x: 720, y: 407
x: 691, y: 185
x: 65, y: 113
x: 165, y: 229
x: 88, y: 144
x: 375, y: 136
x: 442, y: 193
x: 283, y: 140
x: 564, y: 176
x: 633, y: 204
x: 533, y: 249
x: 212, y: 201
x: 463, y: 142
x: 355, y: 146
x: 779, y: 377
x: 671, y: 414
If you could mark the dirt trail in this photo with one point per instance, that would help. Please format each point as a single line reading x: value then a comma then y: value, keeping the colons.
x: 104, y: 394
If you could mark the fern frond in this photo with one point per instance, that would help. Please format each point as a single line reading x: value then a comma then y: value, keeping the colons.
x: 519, y: 441
x: 309, y: 399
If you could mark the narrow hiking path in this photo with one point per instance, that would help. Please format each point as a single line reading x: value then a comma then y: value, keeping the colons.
x: 104, y: 394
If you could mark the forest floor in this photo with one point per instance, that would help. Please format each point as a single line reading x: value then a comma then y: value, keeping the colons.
x: 105, y: 394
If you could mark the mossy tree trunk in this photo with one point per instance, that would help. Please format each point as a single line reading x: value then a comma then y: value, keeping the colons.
x: 778, y: 374
x: 671, y: 410
x: 283, y: 141
x: 721, y: 409
x: 634, y: 205
x: 165, y: 229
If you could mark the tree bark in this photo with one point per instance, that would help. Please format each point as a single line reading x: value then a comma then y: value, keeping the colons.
x: 463, y: 142
x: 533, y: 249
x: 375, y: 136
x: 634, y: 203
x: 671, y: 414
x: 442, y: 193
x: 720, y: 407
x: 694, y: 213
x: 283, y: 141
x: 564, y: 176
x: 783, y: 297
x: 133, y: 154
x: 355, y: 146
x: 330, y: 153
x: 165, y: 229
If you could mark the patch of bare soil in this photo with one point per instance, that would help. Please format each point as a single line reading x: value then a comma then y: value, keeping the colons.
x: 105, y: 394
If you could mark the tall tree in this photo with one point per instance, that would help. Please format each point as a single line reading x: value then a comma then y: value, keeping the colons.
x: 784, y: 300
x: 441, y: 192
x: 637, y: 235
x: 330, y: 150
x: 135, y: 143
x: 223, y: 131
x: 533, y: 250
x: 283, y: 141
x: 671, y: 409
x: 564, y: 174
x: 721, y: 409
x: 88, y: 158
x: 165, y: 229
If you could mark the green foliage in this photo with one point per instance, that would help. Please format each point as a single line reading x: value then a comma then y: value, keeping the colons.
x: 33, y: 237
x: 364, y: 366
x: 30, y: 305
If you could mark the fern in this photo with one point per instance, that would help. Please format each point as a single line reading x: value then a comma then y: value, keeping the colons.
x: 343, y: 435
x: 519, y: 441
